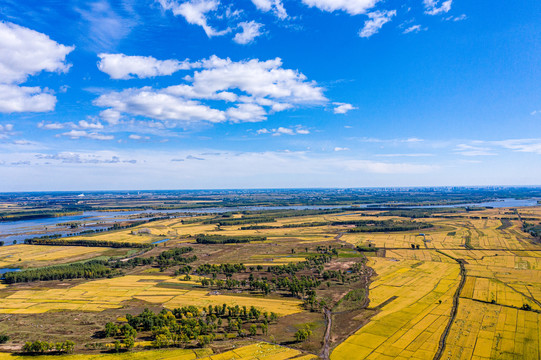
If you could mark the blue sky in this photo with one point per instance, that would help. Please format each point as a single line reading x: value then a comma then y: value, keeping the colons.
x: 171, y: 94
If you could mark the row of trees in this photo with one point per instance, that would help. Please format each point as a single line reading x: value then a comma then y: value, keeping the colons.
x: 88, y: 270
x: 226, y: 239
x: 86, y: 242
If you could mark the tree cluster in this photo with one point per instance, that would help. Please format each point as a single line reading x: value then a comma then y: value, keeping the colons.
x: 41, y: 347
x: 192, y: 325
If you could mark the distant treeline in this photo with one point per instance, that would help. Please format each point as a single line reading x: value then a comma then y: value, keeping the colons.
x: 36, y: 215
x: 255, y: 217
x: 388, y: 226
x: 50, y: 239
x: 226, y: 239
x: 360, y: 225
x: 89, y: 243
x: 88, y: 270
x: 95, y: 269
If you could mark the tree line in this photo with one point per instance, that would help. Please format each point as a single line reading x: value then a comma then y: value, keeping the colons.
x: 226, y: 239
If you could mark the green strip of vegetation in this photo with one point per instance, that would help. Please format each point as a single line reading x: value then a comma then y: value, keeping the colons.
x: 222, y: 239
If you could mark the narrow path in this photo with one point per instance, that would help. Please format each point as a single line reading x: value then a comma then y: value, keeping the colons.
x: 326, y: 340
x: 454, y: 310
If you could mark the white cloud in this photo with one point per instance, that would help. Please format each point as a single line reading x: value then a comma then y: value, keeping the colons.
x: 120, y: 66
x: 471, y: 150
x: 352, y: 7
x: 77, y: 134
x: 405, y: 155
x: 456, y: 18
x: 413, y: 29
x: 250, y: 30
x: 296, y: 130
x: 50, y: 126
x: 159, y: 105
x: 387, y: 168
x: 138, y: 137
x: 377, y: 20
x: 195, y: 12
x: 15, y: 98
x: 254, y: 87
x: 341, y: 148
x: 433, y: 7
x: 247, y: 113
x: 342, y: 108
x: 25, y: 52
x: 275, y: 6
x: 111, y: 116
x: 5, y: 130
x: 521, y: 145
x: 259, y: 79
x: 83, y: 124
x: 535, y: 112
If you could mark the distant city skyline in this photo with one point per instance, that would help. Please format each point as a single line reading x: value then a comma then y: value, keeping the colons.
x: 209, y: 94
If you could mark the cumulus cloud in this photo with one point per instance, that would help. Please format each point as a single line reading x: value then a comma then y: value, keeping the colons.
x: 195, y: 12
x: 433, y: 7
x: 352, y: 7
x: 15, y: 98
x: 25, y: 52
x: 120, y: 66
x: 254, y: 87
x: 342, y: 108
x: 377, y: 20
x: 275, y: 6
x: 250, y: 30
x: 159, y: 105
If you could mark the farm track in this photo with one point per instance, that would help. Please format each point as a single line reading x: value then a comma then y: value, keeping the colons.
x: 325, y: 351
x: 454, y: 310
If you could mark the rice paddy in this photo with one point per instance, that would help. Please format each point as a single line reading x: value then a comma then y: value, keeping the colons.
x: 105, y: 294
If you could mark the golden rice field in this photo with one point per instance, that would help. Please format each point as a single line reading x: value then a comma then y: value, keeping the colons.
x: 486, y: 331
x: 39, y: 255
x: 99, y: 295
x: 258, y: 351
x: 410, y: 326
x: 450, y: 234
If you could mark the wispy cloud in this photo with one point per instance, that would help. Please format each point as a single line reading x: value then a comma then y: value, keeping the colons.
x: 105, y: 26
x: 433, y: 7
x: 377, y: 20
